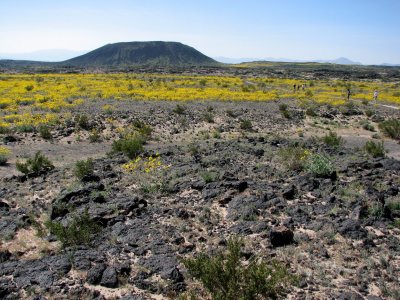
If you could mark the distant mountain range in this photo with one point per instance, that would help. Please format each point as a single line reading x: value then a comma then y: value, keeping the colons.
x: 51, y: 55
x: 127, y: 54
x: 339, y: 61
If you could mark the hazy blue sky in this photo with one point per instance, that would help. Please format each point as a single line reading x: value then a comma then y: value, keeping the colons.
x: 362, y: 30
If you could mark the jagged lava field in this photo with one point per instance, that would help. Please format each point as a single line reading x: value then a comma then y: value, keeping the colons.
x: 151, y: 171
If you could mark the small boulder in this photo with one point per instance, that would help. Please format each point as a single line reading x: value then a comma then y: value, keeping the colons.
x: 281, y: 236
x: 95, y: 274
x: 109, y: 278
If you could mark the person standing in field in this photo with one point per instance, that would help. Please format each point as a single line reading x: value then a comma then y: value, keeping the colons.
x: 348, y: 94
x: 376, y: 95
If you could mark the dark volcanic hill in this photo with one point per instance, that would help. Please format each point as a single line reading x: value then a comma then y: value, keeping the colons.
x: 143, y: 54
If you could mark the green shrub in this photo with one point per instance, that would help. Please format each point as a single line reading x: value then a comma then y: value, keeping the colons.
x: 216, y: 134
x: 369, y: 112
x: 286, y: 114
x: 131, y: 145
x: 231, y: 113
x: 311, y: 111
x: 83, y: 168
x: 391, y: 128
x: 179, y: 109
x: 94, y: 136
x: 293, y: 157
x: 283, y: 107
x: 375, y: 149
x: 83, y: 121
x: 36, y: 165
x: 246, y: 124
x: 29, y: 88
x: 203, y: 82
x: 208, y: 117
x: 44, y: 132
x: 4, y: 130
x: 309, y: 94
x: 79, y: 231
x: 393, y: 204
x: 368, y: 126
x: 333, y: 140
x: 226, y: 277
x: 142, y: 128
x: 319, y: 165
x: 25, y: 128
x: 209, y: 176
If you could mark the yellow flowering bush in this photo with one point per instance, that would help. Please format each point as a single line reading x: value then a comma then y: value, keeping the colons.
x: 58, y: 92
x: 4, y: 155
x: 147, y: 165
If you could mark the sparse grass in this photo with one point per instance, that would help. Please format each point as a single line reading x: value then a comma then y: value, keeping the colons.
x: 35, y: 165
x: 79, y: 231
x: 375, y: 149
x: 391, y: 128
x: 226, y: 277
x: 83, y: 168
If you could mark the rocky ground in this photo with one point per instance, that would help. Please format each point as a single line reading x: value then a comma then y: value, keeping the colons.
x: 223, y: 177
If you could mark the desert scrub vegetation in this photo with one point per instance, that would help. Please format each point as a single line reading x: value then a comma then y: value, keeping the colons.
x: 368, y: 126
x: 226, y: 276
x: 5, y: 154
x: 208, y: 117
x: 79, y: 231
x: 391, y: 128
x: 179, y: 109
x: 209, y: 176
x: 283, y: 108
x: 131, y: 145
x: 293, y: 157
x: 375, y: 149
x: 150, y: 174
x: 333, y: 140
x: 35, y: 165
x: 246, y: 124
x: 319, y: 165
x: 84, y: 168
x: 83, y: 122
x: 44, y: 132
x: 95, y: 136
x: 49, y: 94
